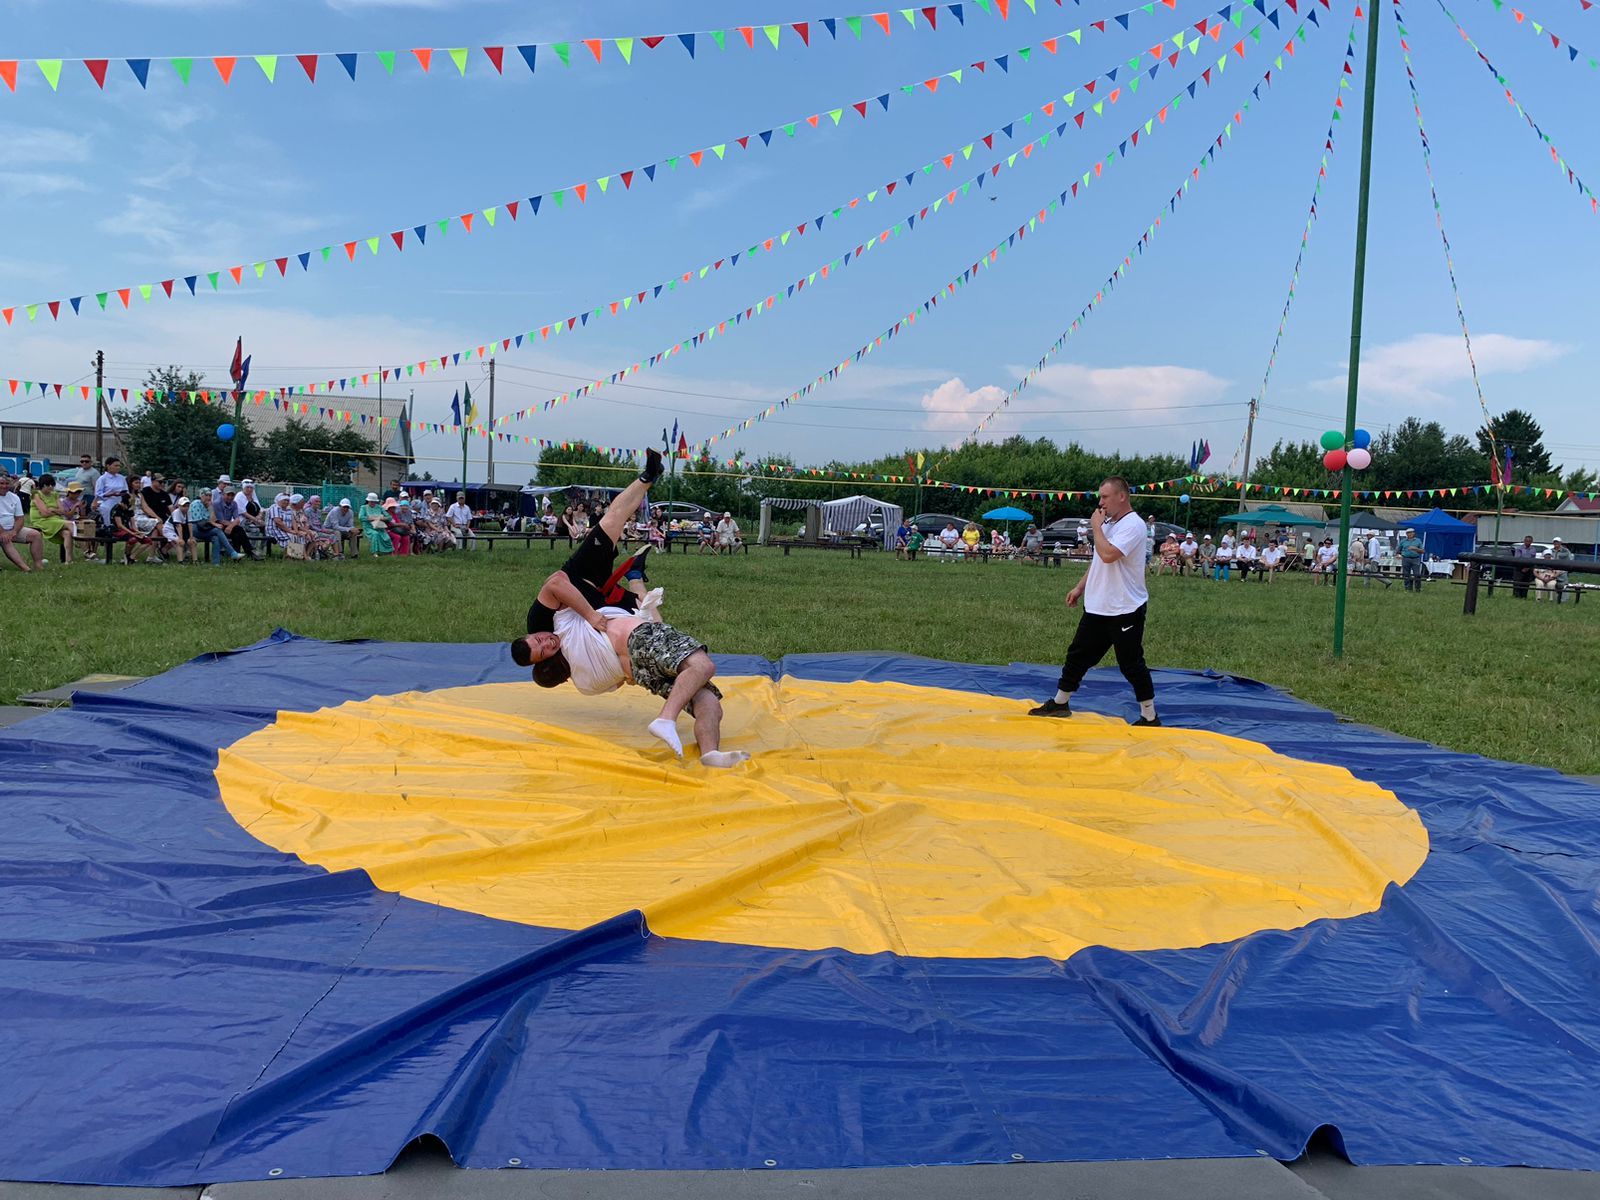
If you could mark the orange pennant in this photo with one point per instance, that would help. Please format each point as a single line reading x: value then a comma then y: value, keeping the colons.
x: 225, y: 67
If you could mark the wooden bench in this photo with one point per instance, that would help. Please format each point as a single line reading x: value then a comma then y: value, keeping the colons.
x: 853, y: 545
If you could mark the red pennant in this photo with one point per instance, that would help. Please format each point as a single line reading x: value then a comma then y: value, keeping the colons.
x: 948, y: 160
x: 594, y: 47
x: 97, y: 69
x: 225, y: 67
x: 1048, y: 110
x: 652, y: 42
x: 237, y: 273
x: 1089, y: 87
x: 308, y: 64
x: 466, y: 222
x: 860, y: 106
x: 1078, y: 117
x: 697, y: 156
x: 988, y: 140
x: 8, y: 72
x: 424, y: 57
x: 399, y: 236
x: 166, y: 286
x: 123, y: 293
x: 749, y: 33
x: 55, y: 315
x: 803, y: 28
x: 283, y: 268
x: 1005, y: 8
x: 1100, y: 25
x: 627, y: 179
x: 512, y: 206
x: 497, y: 56
x: 582, y: 192
x: 350, y: 249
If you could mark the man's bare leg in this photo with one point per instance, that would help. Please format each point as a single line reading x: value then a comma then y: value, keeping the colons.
x: 695, y: 672
x: 11, y: 553
x: 708, y: 732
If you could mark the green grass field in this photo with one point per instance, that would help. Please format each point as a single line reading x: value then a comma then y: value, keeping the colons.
x: 1517, y: 681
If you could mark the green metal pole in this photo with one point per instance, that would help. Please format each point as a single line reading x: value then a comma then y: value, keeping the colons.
x: 1342, y: 580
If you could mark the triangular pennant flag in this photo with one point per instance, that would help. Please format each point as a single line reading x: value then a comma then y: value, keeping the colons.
x: 348, y: 62
x: 141, y: 70
x: 424, y: 56
x: 225, y: 65
x: 458, y: 55
x: 269, y: 66
x: 50, y: 68
x: 97, y: 70
x: 308, y: 64
x: 386, y: 57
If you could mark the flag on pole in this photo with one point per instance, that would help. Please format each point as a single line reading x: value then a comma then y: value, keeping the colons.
x: 1205, y: 452
x: 239, y: 372
x: 683, y: 446
x: 455, y: 408
x: 1494, y: 469
x: 1505, y: 476
x: 472, y: 409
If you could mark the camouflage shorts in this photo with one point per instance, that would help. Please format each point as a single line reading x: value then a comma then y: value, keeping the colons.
x: 658, y: 652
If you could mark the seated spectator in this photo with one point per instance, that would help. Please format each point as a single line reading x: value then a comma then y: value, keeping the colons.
x: 970, y: 537
x: 460, y: 518
x: 252, y: 514
x: 280, y: 520
x: 1222, y: 564
x: 1545, y: 576
x: 706, y: 536
x: 1188, y: 554
x: 225, y: 513
x: 177, y: 523
x: 152, y: 516
x: 656, y: 534
x: 1247, y: 557
x: 76, y: 507
x: 1167, y: 561
x: 400, y: 525
x: 432, y: 528
x: 15, y: 530
x: 50, y: 515
x: 914, y: 542
x: 1032, y: 544
x: 207, y: 532
x: 375, y: 526
x: 1326, y: 561
x: 1272, y: 560
x: 950, y: 537
x: 340, y: 525
x: 999, y: 543
x: 902, y: 535
x: 1207, y: 556
x: 136, y: 546
x: 727, y: 534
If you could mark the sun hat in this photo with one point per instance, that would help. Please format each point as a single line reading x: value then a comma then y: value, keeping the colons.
x: 345, y: 503
x: 372, y: 497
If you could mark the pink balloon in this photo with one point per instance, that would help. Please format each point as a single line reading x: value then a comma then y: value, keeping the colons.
x: 1334, y: 460
x: 1359, y: 460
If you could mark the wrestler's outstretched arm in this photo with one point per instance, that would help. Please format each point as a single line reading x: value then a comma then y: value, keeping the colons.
x: 558, y: 592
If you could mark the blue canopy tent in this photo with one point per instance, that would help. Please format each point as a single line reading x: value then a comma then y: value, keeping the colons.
x: 1442, y: 535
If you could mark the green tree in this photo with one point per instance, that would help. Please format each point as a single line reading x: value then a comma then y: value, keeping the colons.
x: 711, y: 482
x: 1419, y: 454
x: 576, y: 463
x: 289, y: 453
x: 1290, y: 464
x: 178, y: 436
x: 1525, y: 436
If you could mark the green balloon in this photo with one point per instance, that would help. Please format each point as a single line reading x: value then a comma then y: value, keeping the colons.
x: 1333, y: 440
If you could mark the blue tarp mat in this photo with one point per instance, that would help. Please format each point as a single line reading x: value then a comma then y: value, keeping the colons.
x: 183, y: 1004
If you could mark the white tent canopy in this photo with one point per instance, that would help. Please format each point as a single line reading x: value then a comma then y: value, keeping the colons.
x: 838, y: 517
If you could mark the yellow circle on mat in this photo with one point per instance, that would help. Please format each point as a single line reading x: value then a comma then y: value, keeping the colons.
x: 873, y: 817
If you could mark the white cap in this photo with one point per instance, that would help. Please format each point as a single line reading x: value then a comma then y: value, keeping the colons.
x: 372, y: 497
x: 345, y: 503
x: 297, y: 498
x: 281, y: 496
x: 1555, y: 541
x: 224, y: 479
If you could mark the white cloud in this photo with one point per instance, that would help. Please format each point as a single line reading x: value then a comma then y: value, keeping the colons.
x: 953, y: 405
x: 1423, y: 366
x: 39, y: 144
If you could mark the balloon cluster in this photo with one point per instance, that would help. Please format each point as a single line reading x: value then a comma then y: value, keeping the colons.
x: 1341, y: 454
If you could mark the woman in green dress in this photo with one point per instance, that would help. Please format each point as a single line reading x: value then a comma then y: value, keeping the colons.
x: 47, y: 515
x: 375, y: 524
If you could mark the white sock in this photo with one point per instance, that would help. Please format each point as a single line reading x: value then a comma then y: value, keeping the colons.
x: 723, y: 758
x: 1062, y: 697
x: 1147, y: 709
x: 667, y: 731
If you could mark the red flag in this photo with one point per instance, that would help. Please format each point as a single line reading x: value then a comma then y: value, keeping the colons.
x: 237, y: 369
x: 683, y: 446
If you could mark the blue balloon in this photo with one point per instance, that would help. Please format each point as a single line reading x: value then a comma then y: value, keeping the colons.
x: 225, y: 432
x: 1362, y: 440
x: 1183, y: 499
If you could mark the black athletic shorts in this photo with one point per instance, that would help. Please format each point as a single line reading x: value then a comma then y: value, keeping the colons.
x: 589, y: 566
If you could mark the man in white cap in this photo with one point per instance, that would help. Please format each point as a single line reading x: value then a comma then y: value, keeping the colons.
x: 340, y: 523
x: 1561, y: 554
x: 727, y: 534
x: 225, y: 513
x: 1411, y: 560
x: 460, y: 518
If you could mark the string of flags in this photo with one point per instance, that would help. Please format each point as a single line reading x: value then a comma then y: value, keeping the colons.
x: 1544, y: 32
x: 992, y: 256
x: 1346, y: 76
x: 1171, y: 205
x: 1130, y: 74
x: 316, y: 65
x: 1555, y: 154
x: 1438, y: 214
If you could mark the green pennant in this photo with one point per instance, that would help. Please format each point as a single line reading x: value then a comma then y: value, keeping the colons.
x: 1148, y: 124
x: 672, y: 163
x: 1099, y: 108
x: 1025, y: 53
x: 213, y: 276
x: 1278, y: 62
x: 489, y: 214
x: 1133, y: 84
x: 260, y: 269
x: 784, y: 239
x: 560, y: 197
x: 966, y: 151
x: 458, y: 55
x: 772, y: 32
x: 386, y: 57
x: 1070, y: 97
x: 789, y: 129
x: 1194, y: 45
x: 33, y: 310
x: 855, y: 25
x: 1011, y: 160
x: 101, y: 296
x: 1238, y: 19
x: 326, y: 251
x: 444, y: 227
x: 627, y: 303
x: 836, y: 113
x: 604, y: 181
x: 720, y: 150
x: 1255, y: 36
x: 910, y: 14
x: 1031, y: 8
x: 720, y: 37
x: 269, y: 66
x: 625, y: 48
x: 372, y: 244
x: 704, y: 271
x: 183, y: 66
x: 563, y: 52
x: 984, y: 4
x: 50, y: 68
x: 1178, y: 41
x: 956, y: 75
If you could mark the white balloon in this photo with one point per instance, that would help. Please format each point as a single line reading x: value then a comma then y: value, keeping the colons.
x: 1360, y: 460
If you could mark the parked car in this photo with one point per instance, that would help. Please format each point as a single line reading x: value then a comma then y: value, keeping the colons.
x: 932, y: 524
x: 682, y: 510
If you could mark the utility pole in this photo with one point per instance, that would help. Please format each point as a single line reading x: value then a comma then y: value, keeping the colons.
x: 1249, y: 435
x: 491, y: 426
x: 99, y: 407
x: 1341, y: 581
x: 383, y: 446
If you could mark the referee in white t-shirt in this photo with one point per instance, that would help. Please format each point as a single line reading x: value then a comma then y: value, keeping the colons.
x: 1114, y: 601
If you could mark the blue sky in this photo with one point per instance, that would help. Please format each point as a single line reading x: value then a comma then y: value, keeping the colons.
x: 126, y: 187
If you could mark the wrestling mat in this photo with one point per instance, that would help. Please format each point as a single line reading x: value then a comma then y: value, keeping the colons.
x: 281, y: 911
